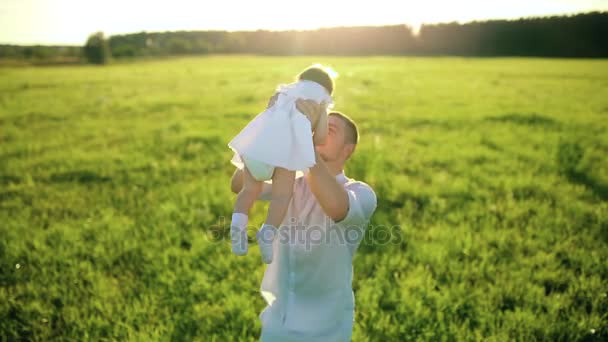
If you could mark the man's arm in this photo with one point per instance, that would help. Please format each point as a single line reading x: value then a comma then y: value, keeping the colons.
x: 330, y: 194
x: 350, y: 205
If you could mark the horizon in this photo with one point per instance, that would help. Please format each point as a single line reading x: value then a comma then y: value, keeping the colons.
x: 70, y: 22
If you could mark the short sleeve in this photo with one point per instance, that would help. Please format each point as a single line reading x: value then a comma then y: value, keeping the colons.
x: 361, y: 206
x: 362, y: 203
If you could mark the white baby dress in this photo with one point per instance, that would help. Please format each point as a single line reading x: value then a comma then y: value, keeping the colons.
x: 281, y: 135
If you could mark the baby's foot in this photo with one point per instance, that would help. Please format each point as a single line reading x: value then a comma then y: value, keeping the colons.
x: 238, y: 233
x: 239, y: 240
x: 265, y: 237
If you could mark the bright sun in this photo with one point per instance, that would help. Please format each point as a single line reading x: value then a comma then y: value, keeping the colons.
x: 71, y: 21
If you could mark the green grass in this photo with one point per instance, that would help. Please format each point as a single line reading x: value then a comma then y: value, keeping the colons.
x: 491, y: 176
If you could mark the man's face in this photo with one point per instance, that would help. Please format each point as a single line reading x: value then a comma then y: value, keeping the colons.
x: 334, y: 146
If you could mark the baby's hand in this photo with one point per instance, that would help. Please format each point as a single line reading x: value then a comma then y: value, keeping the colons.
x: 272, y: 100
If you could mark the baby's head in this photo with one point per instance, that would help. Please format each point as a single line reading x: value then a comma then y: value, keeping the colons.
x: 317, y: 73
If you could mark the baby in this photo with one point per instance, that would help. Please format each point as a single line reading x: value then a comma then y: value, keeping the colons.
x: 275, y: 145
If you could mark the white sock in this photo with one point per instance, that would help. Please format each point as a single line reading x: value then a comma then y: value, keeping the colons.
x: 265, y: 237
x: 239, y: 220
x: 238, y: 233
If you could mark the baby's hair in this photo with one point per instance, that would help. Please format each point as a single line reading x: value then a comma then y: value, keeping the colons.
x: 317, y: 74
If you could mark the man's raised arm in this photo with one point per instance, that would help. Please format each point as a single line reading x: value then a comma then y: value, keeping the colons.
x: 330, y: 194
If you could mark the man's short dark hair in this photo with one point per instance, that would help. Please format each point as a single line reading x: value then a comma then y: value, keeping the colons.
x: 352, y: 131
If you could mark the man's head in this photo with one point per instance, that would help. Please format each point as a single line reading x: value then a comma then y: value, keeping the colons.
x: 342, y: 139
x: 319, y: 75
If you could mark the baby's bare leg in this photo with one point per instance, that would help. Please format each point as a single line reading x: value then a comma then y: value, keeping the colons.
x: 248, y: 194
x: 282, y: 190
x: 244, y: 201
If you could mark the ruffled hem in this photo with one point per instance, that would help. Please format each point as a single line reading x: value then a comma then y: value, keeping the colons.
x: 239, y: 164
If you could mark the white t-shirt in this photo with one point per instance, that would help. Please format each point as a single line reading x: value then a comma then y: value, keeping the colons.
x: 308, y: 285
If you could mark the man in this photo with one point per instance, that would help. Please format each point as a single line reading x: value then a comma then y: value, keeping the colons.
x: 308, y: 285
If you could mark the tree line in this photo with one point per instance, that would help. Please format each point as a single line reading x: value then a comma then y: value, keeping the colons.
x: 581, y: 35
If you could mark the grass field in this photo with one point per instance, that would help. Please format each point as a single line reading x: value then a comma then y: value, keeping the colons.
x: 491, y: 177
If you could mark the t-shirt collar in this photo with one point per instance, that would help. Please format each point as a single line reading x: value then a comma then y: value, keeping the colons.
x: 340, y: 177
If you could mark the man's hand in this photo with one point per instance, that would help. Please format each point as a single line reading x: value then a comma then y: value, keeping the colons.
x: 317, y: 114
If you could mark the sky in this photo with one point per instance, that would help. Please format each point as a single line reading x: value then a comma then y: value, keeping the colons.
x: 69, y: 22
